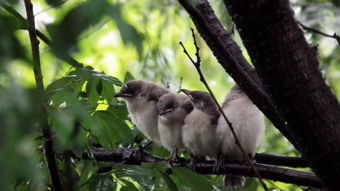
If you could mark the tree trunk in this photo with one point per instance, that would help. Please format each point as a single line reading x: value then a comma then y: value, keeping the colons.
x: 289, y: 70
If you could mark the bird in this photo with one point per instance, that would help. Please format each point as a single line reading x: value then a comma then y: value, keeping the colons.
x: 199, y: 129
x: 172, y: 109
x: 248, y: 123
x: 141, y: 98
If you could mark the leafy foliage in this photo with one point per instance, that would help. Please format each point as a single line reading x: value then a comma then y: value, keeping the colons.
x: 126, y: 39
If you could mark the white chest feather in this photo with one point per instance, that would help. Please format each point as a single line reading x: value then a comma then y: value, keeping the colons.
x: 248, y: 123
x: 170, y: 132
x: 199, y: 135
x: 144, y: 115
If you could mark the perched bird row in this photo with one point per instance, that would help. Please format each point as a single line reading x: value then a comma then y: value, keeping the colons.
x: 193, y: 123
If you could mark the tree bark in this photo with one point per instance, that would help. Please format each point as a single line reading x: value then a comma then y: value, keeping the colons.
x: 289, y: 69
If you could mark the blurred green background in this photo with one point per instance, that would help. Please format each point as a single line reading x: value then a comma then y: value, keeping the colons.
x: 116, y: 41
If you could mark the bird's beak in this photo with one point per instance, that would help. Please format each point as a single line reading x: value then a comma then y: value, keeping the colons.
x: 186, y: 92
x: 120, y: 94
x: 164, y: 111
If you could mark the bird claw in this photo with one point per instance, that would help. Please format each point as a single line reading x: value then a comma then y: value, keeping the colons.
x: 252, y: 160
x: 141, y: 152
x: 141, y: 149
x: 194, y: 161
x: 193, y: 164
x: 146, y: 145
x: 219, y: 166
x: 174, y: 158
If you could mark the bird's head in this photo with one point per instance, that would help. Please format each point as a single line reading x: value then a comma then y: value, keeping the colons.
x: 131, y: 89
x: 200, y: 100
x: 167, y: 104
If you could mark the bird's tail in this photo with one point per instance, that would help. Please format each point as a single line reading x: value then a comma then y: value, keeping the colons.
x: 234, y: 182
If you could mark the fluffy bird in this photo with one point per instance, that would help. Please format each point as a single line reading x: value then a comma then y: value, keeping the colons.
x: 141, y: 98
x: 172, y: 109
x: 248, y: 123
x: 199, y: 130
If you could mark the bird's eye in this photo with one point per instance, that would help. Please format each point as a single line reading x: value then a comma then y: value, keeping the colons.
x: 169, y: 106
x: 129, y: 90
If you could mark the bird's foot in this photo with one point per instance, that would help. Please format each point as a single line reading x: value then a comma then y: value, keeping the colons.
x: 174, y: 158
x: 142, y: 148
x: 140, y: 152
x: 219, y: 165
x: 193, y: 163
x: 252, y: 160
x: 147, y: 145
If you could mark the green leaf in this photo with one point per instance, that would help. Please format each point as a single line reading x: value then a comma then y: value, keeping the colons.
x: 80, y: 108
x: 58, y: 98
x: 127, y: 31
x: 120, y: 110
x: 55, y: 3
x: 107, y: 136
x: 160, y: 151
x: 123, y: 130
x: 72, y: 83
x: 117, y: 127
x: 108, y: 91
x: 91, y: 91
x: 128, y: 76
x: 127, y: 185
x: 110, y: 130
x: 65, y: 33
x: 84, y: 73
x: 170, y: 183
x: 85, y: 172
x: 10, y: 46
x: 89, y: 74
x: 102, y: 183
x: 68, y: 172
x: 192, y: 180
x: 62, y: 123
x: 79, y: 142
x: 99, y: 87
x: 110, y: 79
x: 11, y: 1
x: 139, y: 174
x: 251, y: 184
x: 13, y: 23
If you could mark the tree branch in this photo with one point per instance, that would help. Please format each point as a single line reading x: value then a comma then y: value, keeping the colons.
x: 46, y: 131
x: 313, y: 30
x: 278, y: 160
x: 232, y: 60
x: 135, y: 157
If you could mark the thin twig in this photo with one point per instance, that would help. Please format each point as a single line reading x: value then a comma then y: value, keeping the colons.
x: 202, y: 79
x: 48, y: 145
x: 310, y: 29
